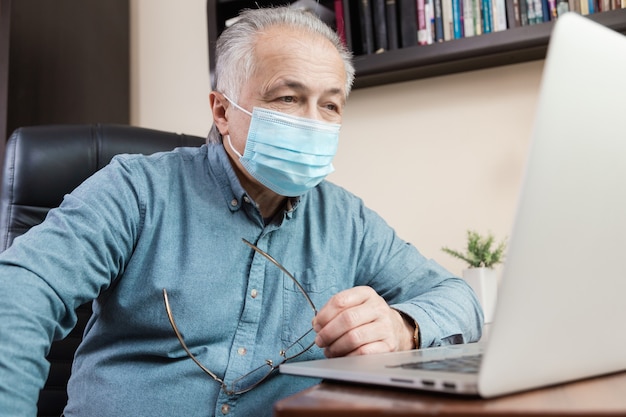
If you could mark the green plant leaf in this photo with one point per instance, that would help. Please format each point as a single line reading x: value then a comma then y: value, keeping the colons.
x: 480, y: 251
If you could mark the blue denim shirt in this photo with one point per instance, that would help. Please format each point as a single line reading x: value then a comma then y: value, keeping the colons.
x: 176, y: 220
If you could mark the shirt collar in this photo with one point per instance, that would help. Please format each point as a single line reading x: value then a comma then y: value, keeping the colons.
x: 232, y: 190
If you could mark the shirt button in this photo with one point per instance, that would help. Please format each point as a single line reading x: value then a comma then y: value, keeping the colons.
x: 242, y: 351
x: 254, y: 293
x: 225, y: 409
x: 234, y: 202
x: 246, y: 199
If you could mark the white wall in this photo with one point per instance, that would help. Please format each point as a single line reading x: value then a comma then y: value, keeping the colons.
x: 434, y: 157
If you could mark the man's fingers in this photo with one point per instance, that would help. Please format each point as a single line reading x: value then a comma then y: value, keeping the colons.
x: 345, y: 311
x: 363, y: 340
x: 347, y: 324
x: 340, y: 302
x: 358, y: 321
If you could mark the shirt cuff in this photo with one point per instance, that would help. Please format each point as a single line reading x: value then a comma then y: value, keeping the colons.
x: 425, y: 326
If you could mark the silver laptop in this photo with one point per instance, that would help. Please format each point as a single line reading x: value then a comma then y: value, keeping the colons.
x: 561, y: 310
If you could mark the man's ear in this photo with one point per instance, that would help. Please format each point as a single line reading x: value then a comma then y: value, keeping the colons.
x: 219, y: 105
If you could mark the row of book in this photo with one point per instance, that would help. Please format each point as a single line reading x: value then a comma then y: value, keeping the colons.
x: 530, y: 12
x: 375, y: 26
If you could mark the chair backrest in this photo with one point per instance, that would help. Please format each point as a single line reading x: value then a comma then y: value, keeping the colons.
x: 42, y: 164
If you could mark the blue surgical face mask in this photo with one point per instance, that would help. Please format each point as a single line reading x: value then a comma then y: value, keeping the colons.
x: 289, y: 155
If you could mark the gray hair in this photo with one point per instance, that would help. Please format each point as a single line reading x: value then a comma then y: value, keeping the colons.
x: 234, y: 50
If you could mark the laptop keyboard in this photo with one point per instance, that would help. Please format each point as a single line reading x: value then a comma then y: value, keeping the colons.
x: 463, y: 364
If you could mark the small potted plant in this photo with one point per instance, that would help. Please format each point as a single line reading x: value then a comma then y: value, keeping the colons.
x: 481, y: 255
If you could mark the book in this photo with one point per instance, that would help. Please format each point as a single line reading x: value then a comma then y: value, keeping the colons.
x: 438, y: 21
x: 545, y: 11
x: 478, y: 17
x: 562, y: 7
x: 430, y: 21
x: 407, y: 18
x: 584, y: 7
x: 391, y: 15
x: 365, y: 25
x: 457, y: 21
x: 523, y: 12
x: 379, y: 26
x: 592, y: 7
x: 468, y: 18
x: 574, y: 6
x: 499, y: 15
x: 538, y: 8
x: 486, y: 15
x: 422, y: 32
x: 446, y: 15
x: 552, y: 9
x: 512, y: 13
x: 347, y: 23
x: 531, y: 11
x: 340, y: 20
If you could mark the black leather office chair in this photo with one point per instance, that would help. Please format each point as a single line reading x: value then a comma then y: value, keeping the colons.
x: 44, y: 163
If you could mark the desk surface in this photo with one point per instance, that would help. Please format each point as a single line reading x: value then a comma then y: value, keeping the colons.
x: 602, y: 396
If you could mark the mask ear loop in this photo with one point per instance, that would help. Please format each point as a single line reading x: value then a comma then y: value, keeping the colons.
x: 237, y: 105
x: 232, y: 147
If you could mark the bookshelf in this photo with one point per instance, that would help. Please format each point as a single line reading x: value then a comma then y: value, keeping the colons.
x: 511, y: 46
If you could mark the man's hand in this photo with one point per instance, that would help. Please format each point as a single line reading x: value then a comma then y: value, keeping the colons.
x: 358, y: 321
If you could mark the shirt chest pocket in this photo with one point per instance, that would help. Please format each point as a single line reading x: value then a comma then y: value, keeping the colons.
x: 319, y: 284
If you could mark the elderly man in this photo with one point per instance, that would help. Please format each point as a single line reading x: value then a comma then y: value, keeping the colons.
x: 209, y: 267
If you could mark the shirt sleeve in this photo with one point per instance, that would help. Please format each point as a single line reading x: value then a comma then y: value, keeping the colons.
x: 58, y: 265
x: 443, y: 305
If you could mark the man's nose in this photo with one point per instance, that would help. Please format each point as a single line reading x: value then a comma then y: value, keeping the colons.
x: 312, y: 111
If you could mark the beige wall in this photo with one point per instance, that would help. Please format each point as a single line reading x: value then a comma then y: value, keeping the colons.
x: 170, y: 65
x: 434, y: 157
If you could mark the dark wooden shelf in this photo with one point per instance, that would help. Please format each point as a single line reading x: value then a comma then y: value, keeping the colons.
x: 516, y: 45
x: 512, y: 46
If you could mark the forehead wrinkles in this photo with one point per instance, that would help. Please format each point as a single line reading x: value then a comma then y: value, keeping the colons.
x: 292, y: 40
x: 275, y: 47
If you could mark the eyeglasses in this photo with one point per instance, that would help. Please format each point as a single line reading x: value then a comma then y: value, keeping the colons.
x: 265, y: 370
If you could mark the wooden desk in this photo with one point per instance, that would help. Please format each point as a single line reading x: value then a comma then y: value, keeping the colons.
x: 603, y: 396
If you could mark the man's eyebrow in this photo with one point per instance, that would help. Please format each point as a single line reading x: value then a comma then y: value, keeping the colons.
x: 294, y: 85
x: 298, y: 86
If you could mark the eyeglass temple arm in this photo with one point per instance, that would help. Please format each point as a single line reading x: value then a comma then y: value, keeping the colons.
x: 182, y: 342
x: 282, y: 268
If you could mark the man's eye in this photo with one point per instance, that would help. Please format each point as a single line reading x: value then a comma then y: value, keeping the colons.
x: 287, y: 99
x: 334, y: 108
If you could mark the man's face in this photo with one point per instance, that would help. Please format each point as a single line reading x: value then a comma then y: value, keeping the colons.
x: 296, y: 74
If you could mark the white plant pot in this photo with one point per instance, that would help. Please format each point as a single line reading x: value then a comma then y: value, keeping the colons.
x: 484, y: 282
